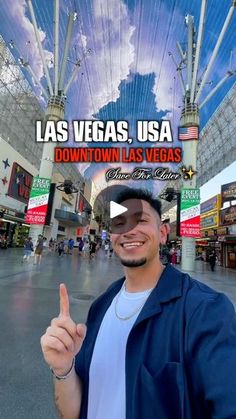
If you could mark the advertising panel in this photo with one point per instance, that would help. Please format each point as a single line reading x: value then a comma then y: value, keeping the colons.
x: 228, y: 192
x: 211, y: 204
x: 38, y: 202
x: 210, y: 221
x: 82, y: 204
x: 190, y: 213
x: 20, y: 183
x: 228, y: 215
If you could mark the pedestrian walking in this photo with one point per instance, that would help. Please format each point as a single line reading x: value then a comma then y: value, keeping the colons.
x: 212, y: 260
x: 173, y: 256
x: 66, y: 248
x: 106, y: 248
x: 28, y: 249
x: 86, y: 249
x: 51, y: 244
x: 178, y: 256
x: 71, y: 244
x: 38, y: 250
x: 110, y: 249
x: 61, y: 247
x: 92, y: 249
x: 81, y: 246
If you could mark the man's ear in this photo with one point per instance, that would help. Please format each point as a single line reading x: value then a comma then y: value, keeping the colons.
x: 164, y: 231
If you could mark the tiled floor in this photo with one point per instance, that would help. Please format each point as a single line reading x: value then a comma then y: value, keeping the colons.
x: 29, y: 300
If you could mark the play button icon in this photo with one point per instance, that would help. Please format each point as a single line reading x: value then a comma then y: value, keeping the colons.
x: 116, y: 209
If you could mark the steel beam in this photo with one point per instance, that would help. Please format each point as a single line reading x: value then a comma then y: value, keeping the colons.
x: 66, y: 50
x: 198, y: 48
x: 31, y: 10
x: 217, y: 87
x: 216, y: 49
x: 56, y: 43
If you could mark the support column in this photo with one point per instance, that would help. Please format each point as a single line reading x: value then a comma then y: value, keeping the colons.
x: 55, y: 112
x: 189, y: 117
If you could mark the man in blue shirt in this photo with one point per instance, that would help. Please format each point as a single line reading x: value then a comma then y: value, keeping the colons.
x: 159, y: 344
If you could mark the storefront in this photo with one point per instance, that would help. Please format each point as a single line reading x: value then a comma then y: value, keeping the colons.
x: 210, y: 219
x: 16, y: 175
x: 13, y: 229
x: 228, y: 241
x: 209, y: 241
x: 229, y: 252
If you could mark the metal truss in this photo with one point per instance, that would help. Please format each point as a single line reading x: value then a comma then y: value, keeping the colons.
x: 19, y: 109
x: 217, y: 144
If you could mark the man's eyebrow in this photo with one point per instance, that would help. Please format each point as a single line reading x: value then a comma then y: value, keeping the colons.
x: 142, y: 213
x: 137, y: 213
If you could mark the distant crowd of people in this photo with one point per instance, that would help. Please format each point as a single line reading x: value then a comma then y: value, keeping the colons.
x: 88, y: 248
x: 3, y: 241
x: 170, y: 255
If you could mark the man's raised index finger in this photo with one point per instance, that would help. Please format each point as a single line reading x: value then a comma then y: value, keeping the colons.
x: 64, y: 301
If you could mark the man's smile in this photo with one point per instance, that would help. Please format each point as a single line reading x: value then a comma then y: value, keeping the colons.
x: 133, y: 244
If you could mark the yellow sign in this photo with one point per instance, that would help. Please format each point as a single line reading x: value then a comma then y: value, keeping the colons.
x: 209, y: 221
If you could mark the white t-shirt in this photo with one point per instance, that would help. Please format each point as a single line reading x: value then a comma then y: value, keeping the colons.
x: 107, y: 370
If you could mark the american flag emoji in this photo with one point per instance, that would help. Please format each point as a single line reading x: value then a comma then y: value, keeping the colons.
x: 188, y: 133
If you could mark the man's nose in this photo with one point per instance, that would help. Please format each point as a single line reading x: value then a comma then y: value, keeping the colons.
x: 132, y: 231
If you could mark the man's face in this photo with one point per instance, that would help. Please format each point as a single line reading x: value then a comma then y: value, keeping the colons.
x: 139, y: 244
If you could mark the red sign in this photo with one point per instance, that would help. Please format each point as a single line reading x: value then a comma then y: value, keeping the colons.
x: 20, y: 183
x: 190, y: 228
x: 35, y: 216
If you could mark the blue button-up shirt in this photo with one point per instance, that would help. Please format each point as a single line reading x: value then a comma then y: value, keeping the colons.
x: 180, y: 353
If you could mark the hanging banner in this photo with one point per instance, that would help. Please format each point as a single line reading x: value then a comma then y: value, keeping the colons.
x: 190, y: 213
x: 38, y: 202
x: 20, y: 183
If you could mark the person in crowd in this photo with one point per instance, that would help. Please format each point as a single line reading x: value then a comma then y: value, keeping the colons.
x: 71, y: 244
x: 110, y: 249
x: 45, y: 244
x: 164, y: 255
x: 92, y: 249
x: 81, y: 245
x: 28, y: 249
x: 98, y: 247
x: 66, y: 248
x: 39, y: 250
x: 3, y: 242
x: 173, y: 256
x: 178, y: 255
x: 106, y: 248
x: 86, y: 249
x: 61, y: 247
x: 51, y: 244
x: 212, y: 260
x: 204, y: 256
x: 159, y: 344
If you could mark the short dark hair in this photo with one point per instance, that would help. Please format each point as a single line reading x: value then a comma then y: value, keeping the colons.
x: 132, y: 193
